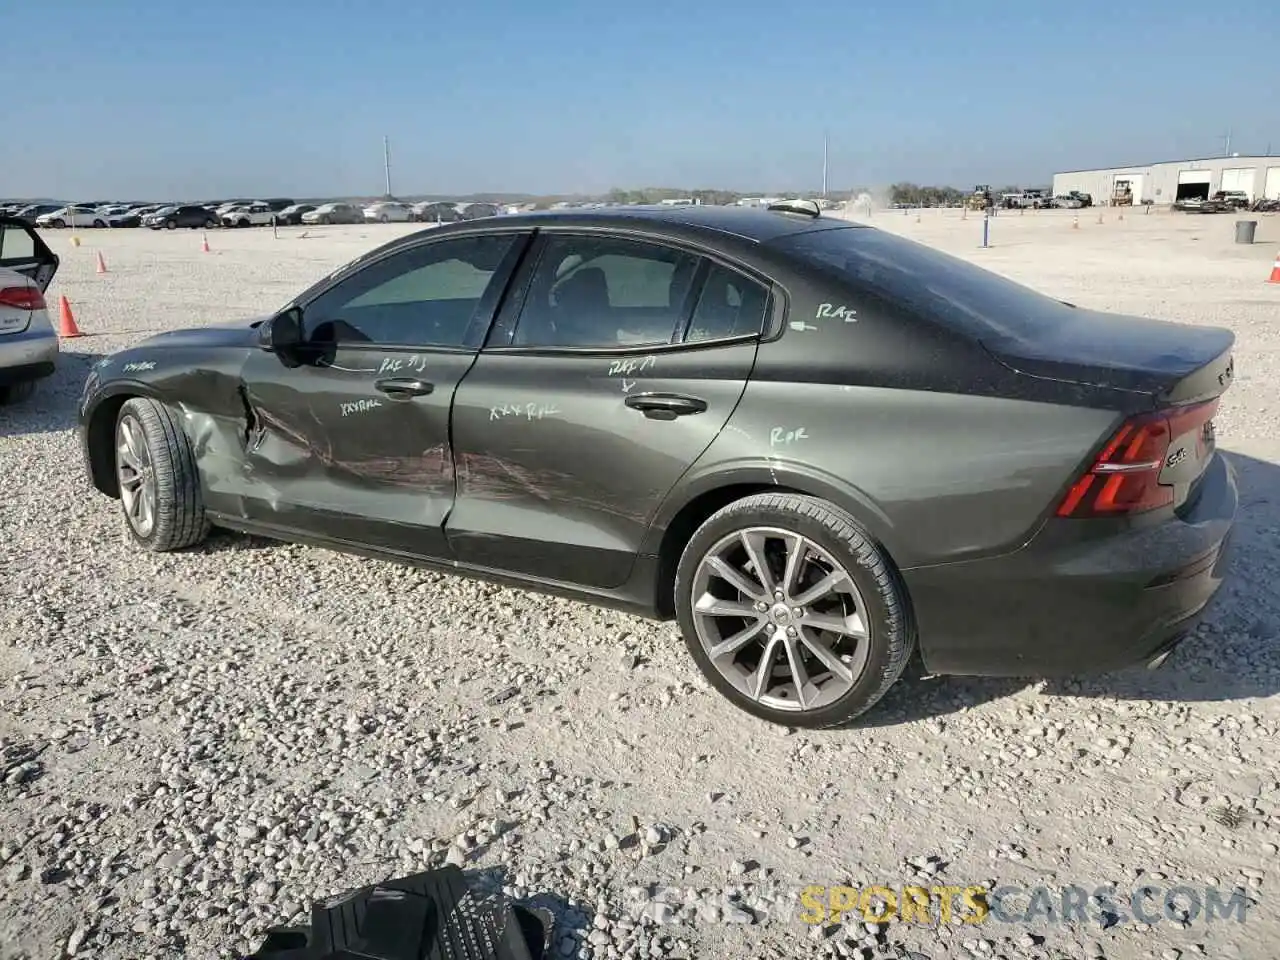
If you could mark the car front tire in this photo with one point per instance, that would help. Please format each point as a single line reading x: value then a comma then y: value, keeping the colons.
x: 171, y: 224
x: 829, y: 614
x: 159, y: 484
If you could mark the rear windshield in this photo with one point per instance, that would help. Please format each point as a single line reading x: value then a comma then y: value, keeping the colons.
x: 929, y: 283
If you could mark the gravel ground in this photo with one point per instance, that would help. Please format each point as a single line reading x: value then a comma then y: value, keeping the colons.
x: 197, y: 745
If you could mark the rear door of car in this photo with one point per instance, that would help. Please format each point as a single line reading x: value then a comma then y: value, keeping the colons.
x: 21, y: 249
x: 608, y: 372
x: 348, y: 439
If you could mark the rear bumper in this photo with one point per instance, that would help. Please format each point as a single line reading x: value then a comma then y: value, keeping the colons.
x: 1063, y: 606
x: 29, y: 355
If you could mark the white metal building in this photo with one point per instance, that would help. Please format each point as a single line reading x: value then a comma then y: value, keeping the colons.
x: 1178, y: 179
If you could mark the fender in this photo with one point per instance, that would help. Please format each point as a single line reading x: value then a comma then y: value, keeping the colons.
x: 702, y: 479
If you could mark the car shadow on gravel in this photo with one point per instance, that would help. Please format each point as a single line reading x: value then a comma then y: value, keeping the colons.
x: 53, y: 406
x: 232, y: 541
x: 1233, y: 654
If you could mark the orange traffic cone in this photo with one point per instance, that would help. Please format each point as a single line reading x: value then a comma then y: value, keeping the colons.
x: 102, y: 264
x: 66, y: 320
x: 204, y: 243
x: 1275, y: 271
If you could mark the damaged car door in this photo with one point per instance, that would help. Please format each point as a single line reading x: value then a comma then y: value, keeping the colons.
x: 349, y: 400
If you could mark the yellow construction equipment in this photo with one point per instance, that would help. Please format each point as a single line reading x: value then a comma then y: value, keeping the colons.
x: 981, y: 197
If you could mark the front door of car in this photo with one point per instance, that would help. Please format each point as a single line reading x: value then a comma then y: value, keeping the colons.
x: 348, y: 434
x: 605, y: 378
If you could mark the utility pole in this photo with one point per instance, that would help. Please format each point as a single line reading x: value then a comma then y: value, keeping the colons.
x: 386, y: 162
x: 1227, y: 152
x: 824, y: 164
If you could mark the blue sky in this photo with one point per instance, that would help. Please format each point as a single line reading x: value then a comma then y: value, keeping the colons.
x: 201, y: 98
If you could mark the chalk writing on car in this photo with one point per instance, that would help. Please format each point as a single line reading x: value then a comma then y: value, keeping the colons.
x: 415, y: 363
x: 358, y: 406
x: 524, y: 411
x: 781, y: 436
x: 631, y: 366
x: 832, y: 312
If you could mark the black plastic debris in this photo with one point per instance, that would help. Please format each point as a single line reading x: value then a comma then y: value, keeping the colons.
x: 428, y: 916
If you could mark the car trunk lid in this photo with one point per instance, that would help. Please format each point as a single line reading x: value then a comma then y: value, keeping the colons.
x: 1183, y: 371
x: 1172, y: 363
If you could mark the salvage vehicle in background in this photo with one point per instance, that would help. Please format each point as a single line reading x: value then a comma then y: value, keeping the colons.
x: 28, y: 342
x: 71, y: 217
x: 170, y: 218
x: 814, y: 444
x: 257, y: 214
x: 388, y: 211
x: 291, y: 215
x: 328, y: 213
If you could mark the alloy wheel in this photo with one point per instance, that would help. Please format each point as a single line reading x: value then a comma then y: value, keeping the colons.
x: 137, y: 476
x: 780, y: 619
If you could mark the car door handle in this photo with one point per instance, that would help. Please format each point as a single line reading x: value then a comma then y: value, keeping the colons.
x: 404, y: 387
x: 665, y: 406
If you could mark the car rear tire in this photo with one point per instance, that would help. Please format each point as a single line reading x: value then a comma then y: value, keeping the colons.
x: 17, y: 392
x: 833, y: 610
x: 210, y: 224
x: 160, y: 493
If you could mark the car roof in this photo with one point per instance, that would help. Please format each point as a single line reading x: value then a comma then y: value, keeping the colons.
x: 752, y: 224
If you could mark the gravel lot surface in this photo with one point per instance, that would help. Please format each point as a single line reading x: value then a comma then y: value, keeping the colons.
x: 197, y: 745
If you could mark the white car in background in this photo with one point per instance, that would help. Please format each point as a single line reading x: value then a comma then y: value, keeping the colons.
x: 28, y: 342
x: 72, y: 217
x: 387, y: 212
x: 257, y: 214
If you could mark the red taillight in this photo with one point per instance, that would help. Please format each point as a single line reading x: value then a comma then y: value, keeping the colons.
x: 22, y: 298
x: 1124, y: 479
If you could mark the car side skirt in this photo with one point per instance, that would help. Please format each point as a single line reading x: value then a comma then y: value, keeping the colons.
x: 635, y: 597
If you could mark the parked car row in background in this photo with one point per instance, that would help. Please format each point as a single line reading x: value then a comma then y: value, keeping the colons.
x: 242, y: 213
x: 1042, y: 200
x: 1226, y: 201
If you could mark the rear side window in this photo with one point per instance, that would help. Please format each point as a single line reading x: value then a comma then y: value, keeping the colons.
x: 931, y: 284
x: 729, y: 305
x: 605, y: 292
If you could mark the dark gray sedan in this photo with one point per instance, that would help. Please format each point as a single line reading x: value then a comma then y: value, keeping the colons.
x: 815, y: 445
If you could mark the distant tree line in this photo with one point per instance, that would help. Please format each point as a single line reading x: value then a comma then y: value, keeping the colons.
x: 718, y: 197
x: 917, y: 196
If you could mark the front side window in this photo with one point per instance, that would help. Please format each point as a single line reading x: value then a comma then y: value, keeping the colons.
x: 606, y: 293
x: 424, y: 296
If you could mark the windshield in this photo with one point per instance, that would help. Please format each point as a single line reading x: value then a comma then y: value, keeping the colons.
x: 935, y: 285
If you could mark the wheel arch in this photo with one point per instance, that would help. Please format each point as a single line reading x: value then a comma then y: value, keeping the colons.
x: 99, y: 435
x: 693, y: 503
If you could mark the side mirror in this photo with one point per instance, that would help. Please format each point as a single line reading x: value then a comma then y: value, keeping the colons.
x: 282, y: 333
